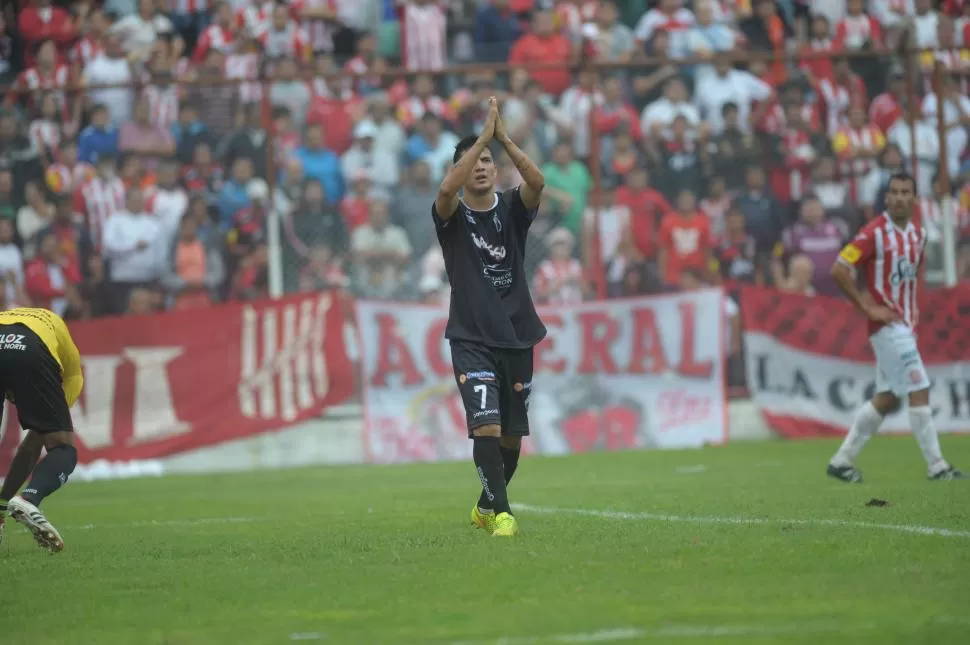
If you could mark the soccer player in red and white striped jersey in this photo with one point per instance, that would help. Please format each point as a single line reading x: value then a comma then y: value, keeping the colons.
x: 889, y: 251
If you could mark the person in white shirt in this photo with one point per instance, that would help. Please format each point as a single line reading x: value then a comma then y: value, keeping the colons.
x: 926, y: 156
x: 660, y: 115
x: 112, y: 71
x: 169, y: 202
x: 956, y: 118
x: 130, y: 239
x: 139, y: 31
x: 364, y: 156
x: 729, y: 85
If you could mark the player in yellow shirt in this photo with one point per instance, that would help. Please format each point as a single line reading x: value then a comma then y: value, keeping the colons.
x: 40, y: 373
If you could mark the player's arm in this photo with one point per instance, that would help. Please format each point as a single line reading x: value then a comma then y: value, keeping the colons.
x: 72, y: 378
x: 533, y: 180
x: 854, y: 254
x: 446, y: 203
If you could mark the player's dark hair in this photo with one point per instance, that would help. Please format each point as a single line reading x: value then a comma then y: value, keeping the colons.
x: 463, y: 146
x: 903, y: 176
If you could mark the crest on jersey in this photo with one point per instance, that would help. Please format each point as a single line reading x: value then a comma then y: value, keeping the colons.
x: 916, y: 377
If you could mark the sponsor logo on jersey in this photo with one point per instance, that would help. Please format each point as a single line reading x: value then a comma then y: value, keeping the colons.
x: 496, y: 252
x: 500, y: 278
x: 13, y: 341
x: 903, y: 271
x: 477, y: 376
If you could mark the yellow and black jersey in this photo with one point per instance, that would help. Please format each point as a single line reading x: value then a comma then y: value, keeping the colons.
x: 52, y: 331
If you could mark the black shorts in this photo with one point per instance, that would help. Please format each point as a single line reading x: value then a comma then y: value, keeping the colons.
x: 33, y: 377
x: 495, y: 385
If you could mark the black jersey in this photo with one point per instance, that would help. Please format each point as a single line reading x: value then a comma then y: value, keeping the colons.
x: 484, y: 255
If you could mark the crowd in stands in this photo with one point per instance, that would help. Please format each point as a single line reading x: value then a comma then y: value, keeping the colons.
x: 144, y: 144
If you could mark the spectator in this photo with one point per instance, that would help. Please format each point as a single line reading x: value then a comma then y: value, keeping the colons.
x: 608, y: 39
x: 390, y: 137
x: 955, y: 115
x: 40, y: 21
x: 766, y: 32
x: 423, y: 35
x: 91, y: 43
x: 567, y: 184
x: 355, y: 206
x: 321, y: 164
x: 925, y: 158
x: 192, y: 270
x: 816, y: 237
x: 18, y: 154
x: 796, y: 148
x: 736, y: 254
x: 11, y: 267
x: 421, y: 101
x: 218, y: 98
x: 706, y: 38
x: 762, y: 212
x: 313, y: 224
x: 680, y: 159
x: 801, y: 270
x: 234, y: 195
x: 141, y: 302
x: 858, y: 146
x: 607, y: 224
x: 289, y: 91
x: 685, y: 240
x: 433, y: 145
x: 575, y: 106
x: 67, y: 173
x: 33, y: 216
x: 658, y: 117
x: 647, y: 207
x: 100, y: 198
x: 839, y: 92
x: 143, y: 137
x: 925, y: 24
x: 249, y: 141
x: 323, y: 271
x: 131, y: 237
x: 8, y: 208
x: 496, y: 29
x: 542, y: 47
x: 410, y: 208
x: 219, y: 36
x: 559, y: 278
x: 110, y: 77
x: 818, y: 51
x: 380, y: 251
x: 283, y: 39
x: 620, y: 156
x: 203, y: 175
x: 728, y: 85
x: 363, y: 156
x: 733, y: 149
x: 716, y: 204
x: 189, y: 131
x: 164, y: 95
x: 47, y: 283
x: 139, y: 31
x: 98, y: 138
x: 289, y: 188
x: 886, y: 108
x: 169, y: 202
x: 669, y: 15
x: 73, y: 241
x: 615, y: 114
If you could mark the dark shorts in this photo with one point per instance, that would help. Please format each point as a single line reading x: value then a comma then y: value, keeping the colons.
x: 33, y: 377
x: 495, y: 385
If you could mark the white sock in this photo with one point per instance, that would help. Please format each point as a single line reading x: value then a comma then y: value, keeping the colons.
x: 921, y: 423
x: 866, y: 424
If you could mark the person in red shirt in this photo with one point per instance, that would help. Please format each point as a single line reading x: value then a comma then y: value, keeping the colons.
x: 73, y: 243
x: 43, y: 21
x: 889, y: 251
x: 355, y: 206
x: 48, y: 280
x: 858, y: 30
x: 886, y: 108
x: 685, y: 240
x: 821, y: 43
x: 544, y: 47
x: 647, y: 208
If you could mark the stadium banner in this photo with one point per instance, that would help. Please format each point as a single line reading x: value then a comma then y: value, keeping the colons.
x: 810, y: 365
x: 181, y: 380
x: 610, y: 375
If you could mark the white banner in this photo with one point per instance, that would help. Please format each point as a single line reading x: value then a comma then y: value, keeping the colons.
x: 610, y: 375
x: 804, y: 393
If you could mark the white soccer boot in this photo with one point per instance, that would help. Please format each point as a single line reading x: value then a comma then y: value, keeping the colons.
x: 30, y: 516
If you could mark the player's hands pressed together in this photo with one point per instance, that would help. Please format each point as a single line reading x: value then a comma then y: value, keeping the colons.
x: 491, y: 121
x: 501, y: 135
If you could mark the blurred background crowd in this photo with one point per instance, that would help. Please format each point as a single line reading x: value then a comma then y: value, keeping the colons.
x: 176, y: 153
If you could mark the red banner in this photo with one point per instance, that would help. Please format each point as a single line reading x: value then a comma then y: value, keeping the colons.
x: 810, y: 365
x: 163, y: 384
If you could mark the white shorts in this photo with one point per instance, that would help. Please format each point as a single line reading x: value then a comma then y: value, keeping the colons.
x: 899, y: 366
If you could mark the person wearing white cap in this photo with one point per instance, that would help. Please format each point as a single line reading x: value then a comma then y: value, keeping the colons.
x: 364, y: 156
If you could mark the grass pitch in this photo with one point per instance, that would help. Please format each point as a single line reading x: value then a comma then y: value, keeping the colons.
x: 748, y: 543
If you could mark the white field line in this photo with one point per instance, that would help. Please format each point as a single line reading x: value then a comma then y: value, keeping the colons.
x: 672, y: 632
x: 743, y: 521
x: 150, y: 523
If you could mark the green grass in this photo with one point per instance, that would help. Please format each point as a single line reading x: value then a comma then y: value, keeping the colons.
x: 384, y: 555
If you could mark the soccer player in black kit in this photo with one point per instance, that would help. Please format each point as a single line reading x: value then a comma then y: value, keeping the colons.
x: 492, y: 323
